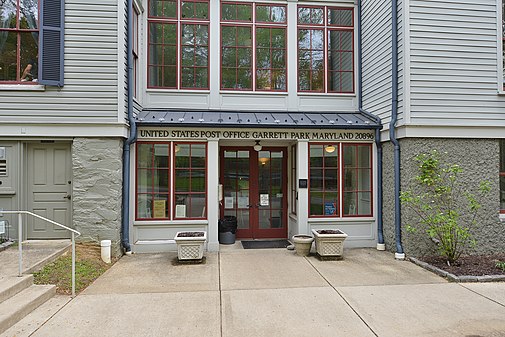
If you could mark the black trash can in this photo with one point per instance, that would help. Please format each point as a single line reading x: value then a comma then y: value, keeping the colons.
x: 227, y: 229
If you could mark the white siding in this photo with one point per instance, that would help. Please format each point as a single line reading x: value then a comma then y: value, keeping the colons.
x: 454, y: 63
x: 90, y: 91
x: 376, y: 42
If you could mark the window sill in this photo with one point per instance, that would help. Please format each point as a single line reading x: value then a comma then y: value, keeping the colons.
x: 170, y: 222
x: 178, y: 91
x: 341, y: 219
x: 22, y: 87
x: 501, y: 92
x: 258, y: 93
x: 329, y: 94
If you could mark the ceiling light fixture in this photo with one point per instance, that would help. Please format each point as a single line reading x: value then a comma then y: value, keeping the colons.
x: 257, y: 147
x: 329, y: 148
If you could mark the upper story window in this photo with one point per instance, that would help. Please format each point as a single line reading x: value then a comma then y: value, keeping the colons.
x: 135, y: 51
x: 503, y: 43
x: 19, y: 41
x: 325, y: 49
x: 253, y: 47
x: 178, y: 44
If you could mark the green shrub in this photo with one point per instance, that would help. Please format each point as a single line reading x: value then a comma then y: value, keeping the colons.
x: 446, y: 210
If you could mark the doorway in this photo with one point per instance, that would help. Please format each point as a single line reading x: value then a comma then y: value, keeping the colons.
x: 254, y: 190
x: 49, y: 175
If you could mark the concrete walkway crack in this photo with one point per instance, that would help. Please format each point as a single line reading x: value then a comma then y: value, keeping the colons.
x: 488, y: 298
x: 220, y: 293
x: 342, y: 296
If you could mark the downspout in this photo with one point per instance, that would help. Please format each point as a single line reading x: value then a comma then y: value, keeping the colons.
x: 125, y: 224
x: 380, y: 232
x: 400, y: 255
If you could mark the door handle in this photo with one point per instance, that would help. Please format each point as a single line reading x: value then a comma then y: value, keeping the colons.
x: 68, y: 196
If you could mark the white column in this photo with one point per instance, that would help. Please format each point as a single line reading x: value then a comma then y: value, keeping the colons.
x: 214, y: 52
x: 302, y: 165
x: 212, y: 194
x: 292, y: 66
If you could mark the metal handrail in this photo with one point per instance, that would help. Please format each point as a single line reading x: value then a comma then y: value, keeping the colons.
x: 20, y: 236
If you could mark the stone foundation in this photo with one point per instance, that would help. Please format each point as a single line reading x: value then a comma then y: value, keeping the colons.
x: 97, y: 190
x: 479, y: 159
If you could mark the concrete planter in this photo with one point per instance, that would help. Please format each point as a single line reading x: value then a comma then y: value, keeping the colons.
x: 302, y: 243
x: 190, y: 245
x: 329, y: 242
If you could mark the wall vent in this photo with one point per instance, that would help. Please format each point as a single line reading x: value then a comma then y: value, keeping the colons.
x: 3, y: 168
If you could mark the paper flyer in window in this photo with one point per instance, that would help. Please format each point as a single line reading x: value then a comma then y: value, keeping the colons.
x: 180, y: 211
x: 264, y: 200
x: 159, y: 208
x: 243, y: 202
x: 228, y: 202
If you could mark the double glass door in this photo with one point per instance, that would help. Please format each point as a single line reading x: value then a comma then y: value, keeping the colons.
x: 254, y: 190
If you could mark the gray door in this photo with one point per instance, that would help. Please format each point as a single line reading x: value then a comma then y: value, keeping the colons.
x: 49, y: 189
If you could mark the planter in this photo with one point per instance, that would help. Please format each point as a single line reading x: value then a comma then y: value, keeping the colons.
x: 302, y: 243
x: 190, y: 245
x: 329, y: 242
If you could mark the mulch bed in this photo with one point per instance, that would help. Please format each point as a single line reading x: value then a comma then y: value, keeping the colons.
x: 475, y: 265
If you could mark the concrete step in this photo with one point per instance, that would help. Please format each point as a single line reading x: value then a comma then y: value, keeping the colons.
x: 38, y: 317
x: 18, y: 306
x: 12, y: 285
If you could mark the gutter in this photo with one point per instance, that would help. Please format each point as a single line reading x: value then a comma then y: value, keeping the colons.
x: 400, y: 255
x: 125, y: 210
x: 380, y: 228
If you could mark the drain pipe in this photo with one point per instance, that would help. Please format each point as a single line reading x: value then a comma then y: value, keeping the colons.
x: 380, y: 231
x: 125, y: 224
x: 400, y: 255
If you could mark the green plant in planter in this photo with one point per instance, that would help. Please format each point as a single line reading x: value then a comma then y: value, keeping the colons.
x: 501, y: 265
x: 446, y: 209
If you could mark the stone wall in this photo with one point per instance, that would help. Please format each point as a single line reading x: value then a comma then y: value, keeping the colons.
x: 479, y: 159
x: 97, y: 190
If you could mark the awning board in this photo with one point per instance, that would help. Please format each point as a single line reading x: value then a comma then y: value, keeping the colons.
x: 342, y: 120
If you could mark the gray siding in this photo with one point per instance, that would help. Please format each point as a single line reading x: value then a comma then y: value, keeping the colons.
x: 90, y: 91
x: 454, y: 63
x: 377, y: 58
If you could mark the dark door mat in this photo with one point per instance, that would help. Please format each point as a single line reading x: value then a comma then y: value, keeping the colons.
x: 261, y: 244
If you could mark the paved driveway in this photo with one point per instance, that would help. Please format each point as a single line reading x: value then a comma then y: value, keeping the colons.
x: 276, y: 293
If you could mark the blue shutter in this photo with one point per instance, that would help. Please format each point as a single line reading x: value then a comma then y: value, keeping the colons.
x: 51, y: 42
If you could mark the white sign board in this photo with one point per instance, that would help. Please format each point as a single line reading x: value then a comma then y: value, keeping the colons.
x: 264, y: 200
x: 2, y: 227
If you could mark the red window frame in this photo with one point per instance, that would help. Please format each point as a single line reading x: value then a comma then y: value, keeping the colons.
x: 189, y: 169
x: 323, y: 168
x: 152, y: 169
x: 254, y: 24
x: 327, y: 28
x: 179, y: 22
x: 293, y: 179
x: 357, y: 168
x: 339, y: 147
x: 18, y: 31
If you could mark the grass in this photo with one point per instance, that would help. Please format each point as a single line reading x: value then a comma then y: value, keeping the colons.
x: 88, y: 267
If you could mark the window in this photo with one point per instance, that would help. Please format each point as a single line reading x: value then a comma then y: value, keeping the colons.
x: 135, y: 51
x: 325, y: 49
x: 502, y: 176
x: 324, y: 185
x: 19, y: 40
x: 178, y: 44
x: 153, y: 177
x: 293, y: 180
x: 190, y: 180
x: 324, y: 163
x: 253, y: 41
x: 155, y: 170
x: 357, y: 179
x: 503, y: 43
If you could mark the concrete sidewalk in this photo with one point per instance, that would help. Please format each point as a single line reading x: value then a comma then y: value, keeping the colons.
x: 276, y: 293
